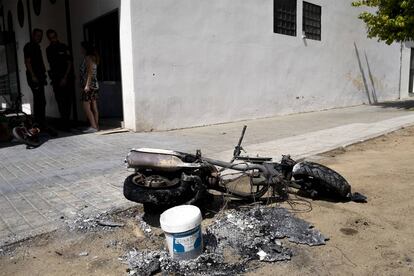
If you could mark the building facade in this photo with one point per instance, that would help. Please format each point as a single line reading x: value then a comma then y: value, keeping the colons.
x: 170, y: 64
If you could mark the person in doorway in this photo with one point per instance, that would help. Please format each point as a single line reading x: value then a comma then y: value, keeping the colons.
x: 36, y: 75
x: 60, y: 62
x: 90, y: 85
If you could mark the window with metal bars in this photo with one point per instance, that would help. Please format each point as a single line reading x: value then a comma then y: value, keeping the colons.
x: 284, y: 21
x: 312, y: 21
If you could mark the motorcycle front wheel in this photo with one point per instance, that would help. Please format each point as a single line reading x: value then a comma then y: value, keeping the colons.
x: 325, y: 181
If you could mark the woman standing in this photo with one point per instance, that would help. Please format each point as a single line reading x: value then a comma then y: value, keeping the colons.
x: 90, y: 86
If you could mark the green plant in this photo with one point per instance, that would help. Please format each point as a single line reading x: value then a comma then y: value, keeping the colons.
x: 391, y: 21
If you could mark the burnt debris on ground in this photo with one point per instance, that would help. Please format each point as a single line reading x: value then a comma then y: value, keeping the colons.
x: 251, y: 234
x: 92, y: 223
x: 106, y: 221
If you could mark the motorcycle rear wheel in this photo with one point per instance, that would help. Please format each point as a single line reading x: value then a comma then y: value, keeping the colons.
x: 164, y: 191
x: 324, y: 180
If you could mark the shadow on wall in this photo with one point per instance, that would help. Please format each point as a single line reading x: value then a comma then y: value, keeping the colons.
x: 372, y: 97
x: 373, y: 91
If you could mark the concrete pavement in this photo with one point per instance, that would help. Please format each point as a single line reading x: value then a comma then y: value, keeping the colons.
x: 41, y: 188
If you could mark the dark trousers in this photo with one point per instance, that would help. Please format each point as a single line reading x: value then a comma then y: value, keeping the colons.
x: 39, y: 104
x: 63, y: 96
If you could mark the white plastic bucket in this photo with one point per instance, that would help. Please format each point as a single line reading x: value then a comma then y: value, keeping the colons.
x: 181, y: 225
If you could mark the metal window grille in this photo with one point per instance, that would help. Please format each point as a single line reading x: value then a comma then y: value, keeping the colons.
x: 284, y: 17
x: 312, y: 21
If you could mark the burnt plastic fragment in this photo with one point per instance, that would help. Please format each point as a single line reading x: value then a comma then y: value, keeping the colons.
x: 357, y: 197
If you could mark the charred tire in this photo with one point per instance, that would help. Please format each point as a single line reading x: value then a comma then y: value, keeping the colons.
x: 322, y: 179
x: 168, y: 196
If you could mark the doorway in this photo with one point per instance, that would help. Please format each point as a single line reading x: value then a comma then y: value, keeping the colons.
x: 103, y: 32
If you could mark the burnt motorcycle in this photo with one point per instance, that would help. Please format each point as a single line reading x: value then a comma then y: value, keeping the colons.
x: 168, y: 178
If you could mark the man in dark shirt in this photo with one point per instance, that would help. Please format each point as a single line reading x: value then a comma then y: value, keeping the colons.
x: 60, y: 73
x: 36, y: 75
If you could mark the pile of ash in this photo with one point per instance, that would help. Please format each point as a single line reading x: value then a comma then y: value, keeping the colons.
x: 92, y: 223
x: 251, y: 234
x: 146, y: 263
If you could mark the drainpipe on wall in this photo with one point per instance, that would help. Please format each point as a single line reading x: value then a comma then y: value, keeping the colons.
x: 399, y: 80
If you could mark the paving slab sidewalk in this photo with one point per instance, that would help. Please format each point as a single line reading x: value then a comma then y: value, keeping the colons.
x: 42, y: 188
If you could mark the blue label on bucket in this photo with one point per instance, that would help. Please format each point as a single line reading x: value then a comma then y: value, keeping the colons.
x: 187, y: 241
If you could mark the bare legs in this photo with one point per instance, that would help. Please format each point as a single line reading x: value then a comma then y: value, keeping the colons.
x: 91, y: 111
x: 95, y: 113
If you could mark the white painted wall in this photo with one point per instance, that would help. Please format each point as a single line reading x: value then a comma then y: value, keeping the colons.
x: 202, y: 62
x: 192, y: 62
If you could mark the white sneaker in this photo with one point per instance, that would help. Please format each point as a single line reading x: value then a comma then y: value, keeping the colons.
x: 90, y: 130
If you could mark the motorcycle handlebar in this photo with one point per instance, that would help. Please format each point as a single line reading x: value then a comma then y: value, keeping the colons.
x: 242, y: 136
x: 238, y: 148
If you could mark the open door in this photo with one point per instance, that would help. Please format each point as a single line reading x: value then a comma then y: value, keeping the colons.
x: 103, y: 32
